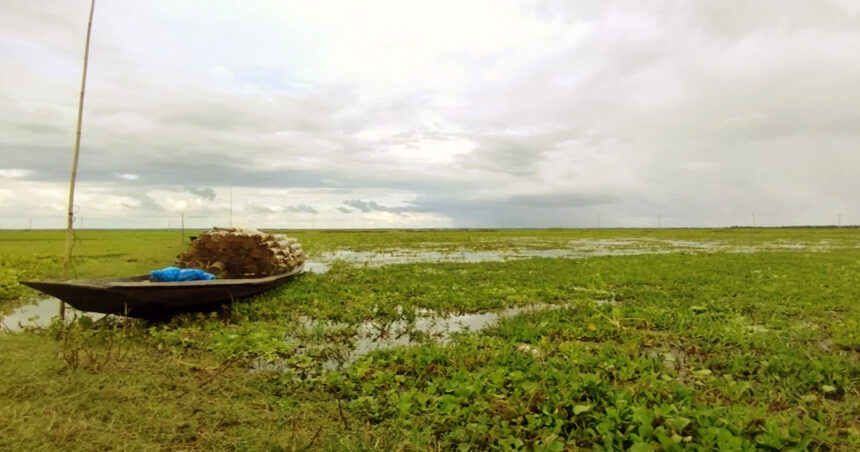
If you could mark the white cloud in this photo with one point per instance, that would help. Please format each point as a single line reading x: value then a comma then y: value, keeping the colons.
x: 412, y: 220
x: 14, y: 173
x: 461, y: 112
x: 748, y: 120
x: 223, y: 73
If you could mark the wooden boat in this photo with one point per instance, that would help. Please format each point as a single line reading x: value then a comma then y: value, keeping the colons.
x: 137, y: 296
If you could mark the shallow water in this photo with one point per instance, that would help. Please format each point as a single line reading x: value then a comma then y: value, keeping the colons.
x: 438, y: 328
x: 574, y: 249
x: 577, y: 249
x: 406, y: 256
x: 371, y: 336
x: 39, y: 315
x: 316, y: 266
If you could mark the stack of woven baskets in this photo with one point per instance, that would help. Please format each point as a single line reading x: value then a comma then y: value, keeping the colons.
x: 243, y: 253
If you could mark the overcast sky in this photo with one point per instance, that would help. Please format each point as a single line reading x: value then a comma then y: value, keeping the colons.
x: 432, y: 114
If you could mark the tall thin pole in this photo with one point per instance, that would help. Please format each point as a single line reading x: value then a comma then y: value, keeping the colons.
x: 70, y: 233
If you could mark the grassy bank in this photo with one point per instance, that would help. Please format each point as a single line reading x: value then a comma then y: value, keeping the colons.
x: 679, y: 351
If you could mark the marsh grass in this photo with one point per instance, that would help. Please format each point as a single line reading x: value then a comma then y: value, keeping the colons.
x: 680, y: 351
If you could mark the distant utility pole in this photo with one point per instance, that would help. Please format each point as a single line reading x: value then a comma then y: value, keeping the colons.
x: 182, y: 230
x: 30, y: 228
x: 598, y: 220
x: 754, y: 218
x: 231, y: 206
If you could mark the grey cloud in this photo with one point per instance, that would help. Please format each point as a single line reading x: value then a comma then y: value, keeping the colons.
x: 156, y: 167
x: 762, y: 94
x: 502, y: 213
x: 302, y: 208
x: 203, y: 192
x: 373, y: 206
x: 565, y: 200
x: 725, y: 18
x: 399, y: 110
x: 363, y: 206
x: 517, y: 155
x: 257, y: 209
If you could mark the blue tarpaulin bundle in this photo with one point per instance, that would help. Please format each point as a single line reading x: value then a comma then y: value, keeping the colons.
x: 175, y: 274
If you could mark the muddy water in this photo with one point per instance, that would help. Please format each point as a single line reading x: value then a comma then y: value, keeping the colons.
x: 371, y: 336
x: 573, y: 249
x: 576, y: 249
x: 39, y: 315
x: 440, y: 329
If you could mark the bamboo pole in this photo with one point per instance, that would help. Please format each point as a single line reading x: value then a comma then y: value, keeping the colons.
x: 70, y: 233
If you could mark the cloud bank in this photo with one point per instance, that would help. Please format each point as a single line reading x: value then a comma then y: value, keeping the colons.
x: 447, y: 114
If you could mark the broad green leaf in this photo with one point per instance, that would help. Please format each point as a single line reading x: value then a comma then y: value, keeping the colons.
x: 579, y: 409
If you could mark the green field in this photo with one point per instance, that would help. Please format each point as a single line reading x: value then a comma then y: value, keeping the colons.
x: 724, y: 339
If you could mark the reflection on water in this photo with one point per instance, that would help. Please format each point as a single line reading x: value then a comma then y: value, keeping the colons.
x: 576, y: 249
x: 573, y: 249
x: 39, y: 315
x: 372, y: 335
x: 316, y: 267
x: 403, y: 256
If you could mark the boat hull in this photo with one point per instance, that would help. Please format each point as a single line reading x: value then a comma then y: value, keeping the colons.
x: 139, y: 297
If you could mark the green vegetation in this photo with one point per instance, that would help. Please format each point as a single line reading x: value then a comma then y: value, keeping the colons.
x: 679, y: 351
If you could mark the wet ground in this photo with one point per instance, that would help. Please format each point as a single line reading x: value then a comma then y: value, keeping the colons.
x: 40, y: 313
x: 371, y: 335
x: 572, y: 249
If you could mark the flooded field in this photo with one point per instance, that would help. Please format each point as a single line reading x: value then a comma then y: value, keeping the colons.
x: 525, y: 340
x: 41, y: 312
x: 573, y: 249
x: 373, y: 335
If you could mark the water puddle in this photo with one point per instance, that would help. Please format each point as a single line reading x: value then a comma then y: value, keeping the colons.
x: 39, y: 315
x: 371, y: 336
x: 316, y: 267
x: 407, y: 256
x: 572, y: 249
x: 576, y: 249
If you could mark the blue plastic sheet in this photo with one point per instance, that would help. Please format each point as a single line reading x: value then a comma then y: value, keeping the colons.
x: 175, y: 274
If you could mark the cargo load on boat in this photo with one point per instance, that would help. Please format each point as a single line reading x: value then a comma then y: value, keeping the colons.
x: 235, y: 253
